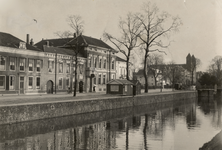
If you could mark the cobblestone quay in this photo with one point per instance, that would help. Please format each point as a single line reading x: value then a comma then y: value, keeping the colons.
x: 35, y: 111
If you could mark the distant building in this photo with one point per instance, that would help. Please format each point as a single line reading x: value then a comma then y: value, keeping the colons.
x: 121, y: 69
x: 189, y: 74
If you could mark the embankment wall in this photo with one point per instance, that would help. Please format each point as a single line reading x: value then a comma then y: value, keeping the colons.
x: 30, y: 112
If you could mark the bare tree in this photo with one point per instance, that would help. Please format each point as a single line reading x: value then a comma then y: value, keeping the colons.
x: 76, y: 23
x: 155, y: 65
x: 173, y: 73
x: 129, y: 29
x: 215, y: 68
x: 75, y: 44
x: 154, y: 26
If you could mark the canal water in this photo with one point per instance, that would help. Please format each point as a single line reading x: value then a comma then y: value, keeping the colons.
x: 179, y: 125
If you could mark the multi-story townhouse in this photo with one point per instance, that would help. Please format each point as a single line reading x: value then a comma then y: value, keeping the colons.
x: 25, y: 68
x: 100, y: 58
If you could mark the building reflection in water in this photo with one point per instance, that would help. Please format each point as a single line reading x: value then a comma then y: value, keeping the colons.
x: 150, y: 125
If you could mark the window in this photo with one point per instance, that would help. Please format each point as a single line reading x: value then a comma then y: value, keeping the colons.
x: 95, y: 62
x: 2, y: 63
x: 37, y: 82
x: 12, y: 82
x: 114, y: 87
x: 31, y: 64
x: 2, y: 82
x: 12, y: 63
x: 100, y: 63
x: 67, y: 82
x: 22, y: 64
x: 104, y: 64
x: 30, y: 82
x: 67, y: 68
x: 95, y: 80
x: 112, y: 64
x: 38, y: 65
x: 60, y: 83
x: 113, y: 76
x: 104, y: 79
x: 99, y: 80
x: 125, y: 88
x: 60, y: 67
x: 50, y: 65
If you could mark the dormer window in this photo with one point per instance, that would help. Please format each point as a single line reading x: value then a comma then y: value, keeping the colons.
x: 22, y: 45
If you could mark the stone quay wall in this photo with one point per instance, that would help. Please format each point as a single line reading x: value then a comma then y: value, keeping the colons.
x: 30, y: 112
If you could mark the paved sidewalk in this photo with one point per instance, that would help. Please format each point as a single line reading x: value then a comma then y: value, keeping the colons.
x: 9, y: 100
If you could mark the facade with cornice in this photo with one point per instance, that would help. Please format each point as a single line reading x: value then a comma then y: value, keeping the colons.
x: 100, y: 65
x: 26, y: 69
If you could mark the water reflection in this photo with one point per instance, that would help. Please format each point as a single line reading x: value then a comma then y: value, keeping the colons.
x: 182, y: 124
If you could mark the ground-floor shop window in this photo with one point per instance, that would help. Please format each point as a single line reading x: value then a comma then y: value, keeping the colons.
x: 2, y: 82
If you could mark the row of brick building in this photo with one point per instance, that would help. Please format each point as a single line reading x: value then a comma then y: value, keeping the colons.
x: 48, y: 66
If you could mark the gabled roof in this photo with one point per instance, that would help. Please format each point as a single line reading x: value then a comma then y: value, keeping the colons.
x: 81, y: 39
x: 119, y: 81
x: 9, y: 40
x: 120, y: 59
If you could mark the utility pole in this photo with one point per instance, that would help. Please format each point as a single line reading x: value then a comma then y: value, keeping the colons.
x: 55, y: 70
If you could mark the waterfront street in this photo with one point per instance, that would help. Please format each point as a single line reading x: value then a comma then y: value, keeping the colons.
x: 10, y: 100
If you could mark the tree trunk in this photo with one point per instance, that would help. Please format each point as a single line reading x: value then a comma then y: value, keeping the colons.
x: 145, y: 75
x: 75, y: 85
x: 127, y: 68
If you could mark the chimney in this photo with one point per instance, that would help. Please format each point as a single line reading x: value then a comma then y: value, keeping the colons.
x: 27, y: 38
x: 74, y: 35
x: 31, y: 42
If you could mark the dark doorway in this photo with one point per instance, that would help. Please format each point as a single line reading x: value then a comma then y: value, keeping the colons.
x: 49, y: 87
x: 21, y: 84
x: 80, y: 86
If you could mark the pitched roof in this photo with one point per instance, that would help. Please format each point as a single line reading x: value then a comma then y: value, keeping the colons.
x: 9, y: 40
x: 81, y: 39
x: 120, y: 59
x: 59, y: 50
x: 120, y: 81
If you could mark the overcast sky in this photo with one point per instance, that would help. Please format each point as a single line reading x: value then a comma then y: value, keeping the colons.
x: 200, y: 34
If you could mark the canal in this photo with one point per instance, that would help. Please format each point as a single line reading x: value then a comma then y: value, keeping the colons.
x: 176, y: 125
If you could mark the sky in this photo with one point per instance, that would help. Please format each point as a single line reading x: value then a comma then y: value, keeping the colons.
x: 200, y: 35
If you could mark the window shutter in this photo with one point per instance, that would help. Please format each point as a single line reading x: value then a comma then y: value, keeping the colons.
x: 7, y: 82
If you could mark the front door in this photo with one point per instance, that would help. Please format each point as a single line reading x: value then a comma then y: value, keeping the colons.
x: 22, y: 85
x: 50, y: 87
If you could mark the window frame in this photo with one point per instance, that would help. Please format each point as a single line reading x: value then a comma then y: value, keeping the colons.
x: 32, y: 65
x: 30, y: 87
x: 60, y: 64
x: 3, y: 88
x: 12, y: 62
x: 38, y: 87
x: 20, y: 62
x: 99, y: 79
x: 4, y: 66
x: 40, y: 61
x: 60, y: 86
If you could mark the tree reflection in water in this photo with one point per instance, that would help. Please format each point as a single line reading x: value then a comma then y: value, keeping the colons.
x: 145, y: 127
